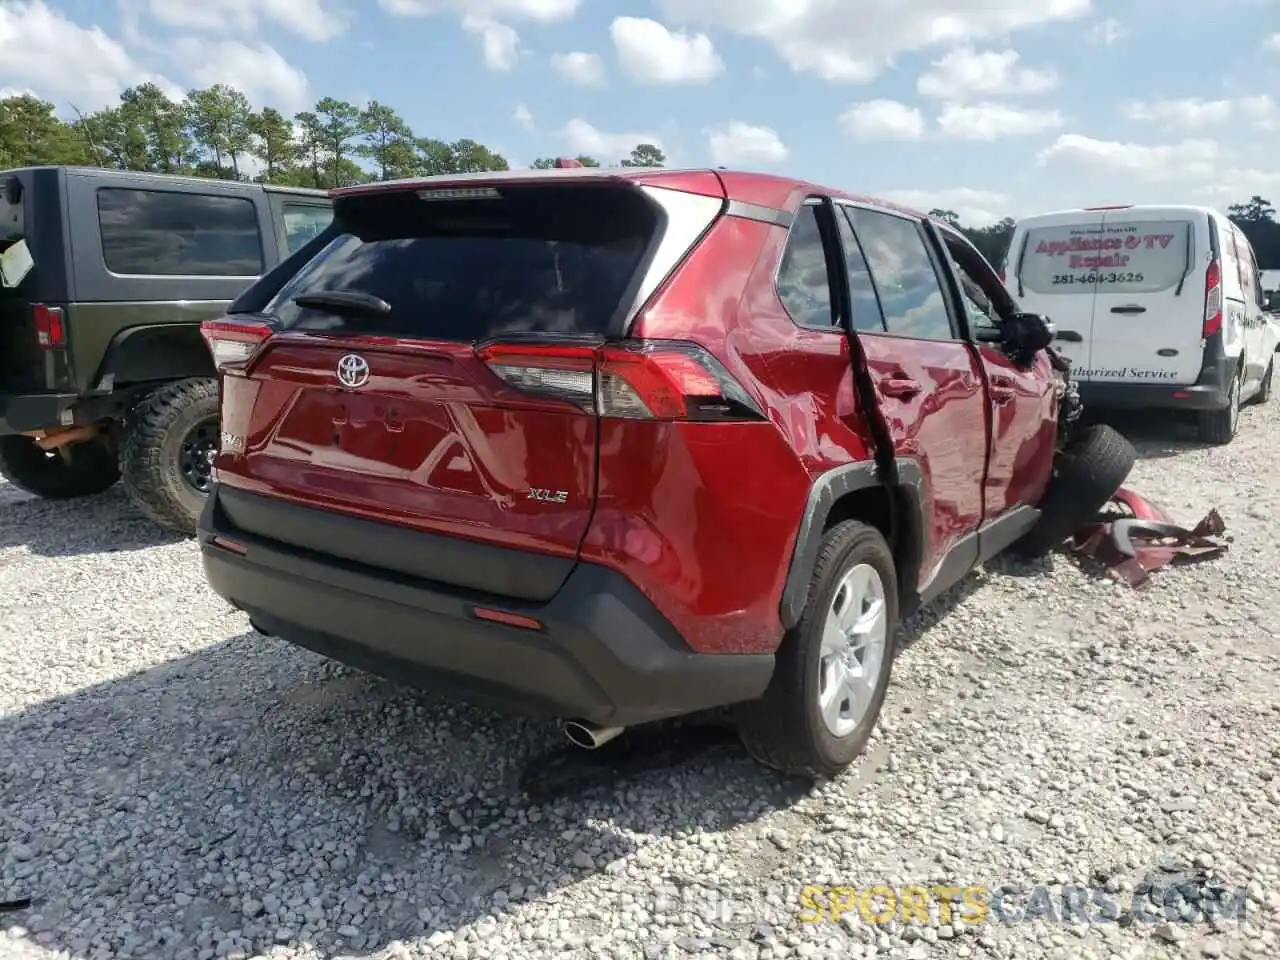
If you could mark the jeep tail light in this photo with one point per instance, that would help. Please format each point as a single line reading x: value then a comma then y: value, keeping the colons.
x: 1212, y: 299
x: 232, y: 342
x: 50, y: 330
x: 636, y: 380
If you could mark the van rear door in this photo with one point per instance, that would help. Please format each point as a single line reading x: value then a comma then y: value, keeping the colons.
x: 1046, y: 278
x: 1148, y: 315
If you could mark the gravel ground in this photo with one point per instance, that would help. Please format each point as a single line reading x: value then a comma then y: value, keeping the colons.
x: 174, y: 785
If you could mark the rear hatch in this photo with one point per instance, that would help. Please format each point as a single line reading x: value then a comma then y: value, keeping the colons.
x: 388, y: 398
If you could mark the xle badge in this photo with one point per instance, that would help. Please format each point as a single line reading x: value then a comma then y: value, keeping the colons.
x: 548, y: 496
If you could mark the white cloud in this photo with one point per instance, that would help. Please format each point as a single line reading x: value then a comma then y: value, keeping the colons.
x: 545, y: 11
x: 41, y: 49
x: 976, y: 208
x: 257, y: 69
x: 883, y: 120
x: 743, y: 144
x: 1154, y: 163
x: 501, y: 44
x: 650, y: 53
x: 523, y: 116
x: 1272, y: 43
x: 965, y: 73
x: 608, y: 148
x: 832, y: 40
x: 310, y: 19
x: 1193, y: 113
x: 1107, y: 33
x: 1234, y: 185
x: 583, y: 69
x: 991, y: 121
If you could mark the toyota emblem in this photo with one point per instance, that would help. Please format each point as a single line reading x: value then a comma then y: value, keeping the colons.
x: 353, y: 371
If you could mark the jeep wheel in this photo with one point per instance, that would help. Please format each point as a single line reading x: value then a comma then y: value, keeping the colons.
x: 167, y: 455
x: 833, y: 669
x: 76, y: 470
x: 1219, y: 426
x: 1086, y: 475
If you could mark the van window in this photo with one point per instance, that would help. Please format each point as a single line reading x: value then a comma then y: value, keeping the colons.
x: 536, y: 259
x: 1121, y: 256
x: 170, y: 234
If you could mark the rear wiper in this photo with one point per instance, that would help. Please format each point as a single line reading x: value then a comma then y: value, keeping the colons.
x: 1186, y: 267
x: 343, y: 301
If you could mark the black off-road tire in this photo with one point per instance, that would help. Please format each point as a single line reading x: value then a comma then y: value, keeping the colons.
x: 1219, y: 426
x: 151, y: 454
x: 783, y: 729
x: 1086, y: 474
x: 77, y: 470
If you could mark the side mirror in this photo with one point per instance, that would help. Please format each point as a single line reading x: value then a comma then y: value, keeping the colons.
x: 1031, y: 332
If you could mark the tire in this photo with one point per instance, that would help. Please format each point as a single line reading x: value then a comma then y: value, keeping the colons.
x: 77, y: 470
x: 785, y: 728
x: 1085, y: 476
x: 168, y: 432
x: 1219, y: 426
x: 1264, y: 389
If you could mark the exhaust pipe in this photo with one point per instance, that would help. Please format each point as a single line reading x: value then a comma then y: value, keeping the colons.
x: 587, y: 735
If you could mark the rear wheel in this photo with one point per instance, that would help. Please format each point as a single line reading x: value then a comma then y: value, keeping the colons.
x: 76, y: 470
x: 1219, y: 426
x: 833, y: 669
x: 167, y: 456
x: 1086, y: 475
x: 1264, y: 389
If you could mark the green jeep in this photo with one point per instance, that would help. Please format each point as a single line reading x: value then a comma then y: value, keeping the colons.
x: 105, y: 276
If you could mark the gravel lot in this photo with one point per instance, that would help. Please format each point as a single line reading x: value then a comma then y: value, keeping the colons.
x: 174, y: 785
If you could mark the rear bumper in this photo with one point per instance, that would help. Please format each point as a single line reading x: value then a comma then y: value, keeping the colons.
x: 22, y: 412
x: 1211, y: 391
x: 604, y: 655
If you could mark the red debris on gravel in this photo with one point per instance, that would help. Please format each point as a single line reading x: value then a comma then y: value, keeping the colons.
x: 1134, y: 537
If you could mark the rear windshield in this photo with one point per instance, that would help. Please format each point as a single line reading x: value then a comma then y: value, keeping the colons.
x: 555, y: 259
x: 1125, y: 256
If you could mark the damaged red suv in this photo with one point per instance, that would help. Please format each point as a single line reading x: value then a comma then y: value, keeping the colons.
x: 612, y: 446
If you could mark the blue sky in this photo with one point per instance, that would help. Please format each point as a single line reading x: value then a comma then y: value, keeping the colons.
x: 987, y: 107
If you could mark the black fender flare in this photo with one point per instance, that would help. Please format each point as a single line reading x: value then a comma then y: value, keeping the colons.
x: 906, y: 489
x: 155, y: 352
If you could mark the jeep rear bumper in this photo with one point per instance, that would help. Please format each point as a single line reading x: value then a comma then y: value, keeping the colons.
x: 23, y: 412
x: 604, y: 653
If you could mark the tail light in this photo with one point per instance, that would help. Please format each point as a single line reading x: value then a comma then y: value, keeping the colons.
x: 232, y: 342
x: 639, y: 380
x: 1212, y: 299
x: 51, y: 332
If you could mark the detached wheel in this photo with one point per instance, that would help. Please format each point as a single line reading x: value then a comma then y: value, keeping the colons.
x: 1219, y: 426
x: 833, y: 669
x: 76, y: 470
x: 167, y: 455
x: 1085, y: 476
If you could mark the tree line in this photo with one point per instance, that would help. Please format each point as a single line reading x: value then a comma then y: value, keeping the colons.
x: 215, y: 132
x: 1256, y: 218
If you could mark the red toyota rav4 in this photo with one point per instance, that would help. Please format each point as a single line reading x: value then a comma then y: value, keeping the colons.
x: 612, y: 446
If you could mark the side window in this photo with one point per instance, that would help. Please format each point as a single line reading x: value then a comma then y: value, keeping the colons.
x: 910, y: 294
x: 302, y: 221
x: 169, y: 234
x: 864, y: 305
x: 803, y: 285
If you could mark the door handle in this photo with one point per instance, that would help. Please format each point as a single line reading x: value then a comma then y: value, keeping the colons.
x: 1002, y: 395
x: 1070, y: 336
x: 902, y: 388
x: 1129, y: 308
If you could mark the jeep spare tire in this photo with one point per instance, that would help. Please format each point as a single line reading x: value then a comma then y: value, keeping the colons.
x: 167, y: 454
x: 1086, y: 473
x: 76, y: 470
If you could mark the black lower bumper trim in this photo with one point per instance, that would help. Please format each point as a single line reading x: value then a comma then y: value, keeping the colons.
x: 605, y: 655
x: 20, y: 413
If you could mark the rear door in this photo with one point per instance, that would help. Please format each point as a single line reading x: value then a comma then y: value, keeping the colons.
x: 414, y: 415
x: 1049, y: 274
x: 1148, y: 315
x: 927, y: 379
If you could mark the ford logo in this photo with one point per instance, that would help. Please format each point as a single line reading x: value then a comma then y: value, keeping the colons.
x: 353, y: 371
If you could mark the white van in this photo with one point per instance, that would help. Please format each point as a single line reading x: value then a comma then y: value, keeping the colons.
x: 1157, y: 306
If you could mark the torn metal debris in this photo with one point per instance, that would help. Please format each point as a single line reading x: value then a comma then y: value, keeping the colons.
x: 1133, y: 537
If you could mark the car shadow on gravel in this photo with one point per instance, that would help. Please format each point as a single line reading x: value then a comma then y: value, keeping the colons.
x: 1155, y: 434
x: 106, y: 523
x: 252, y: 793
